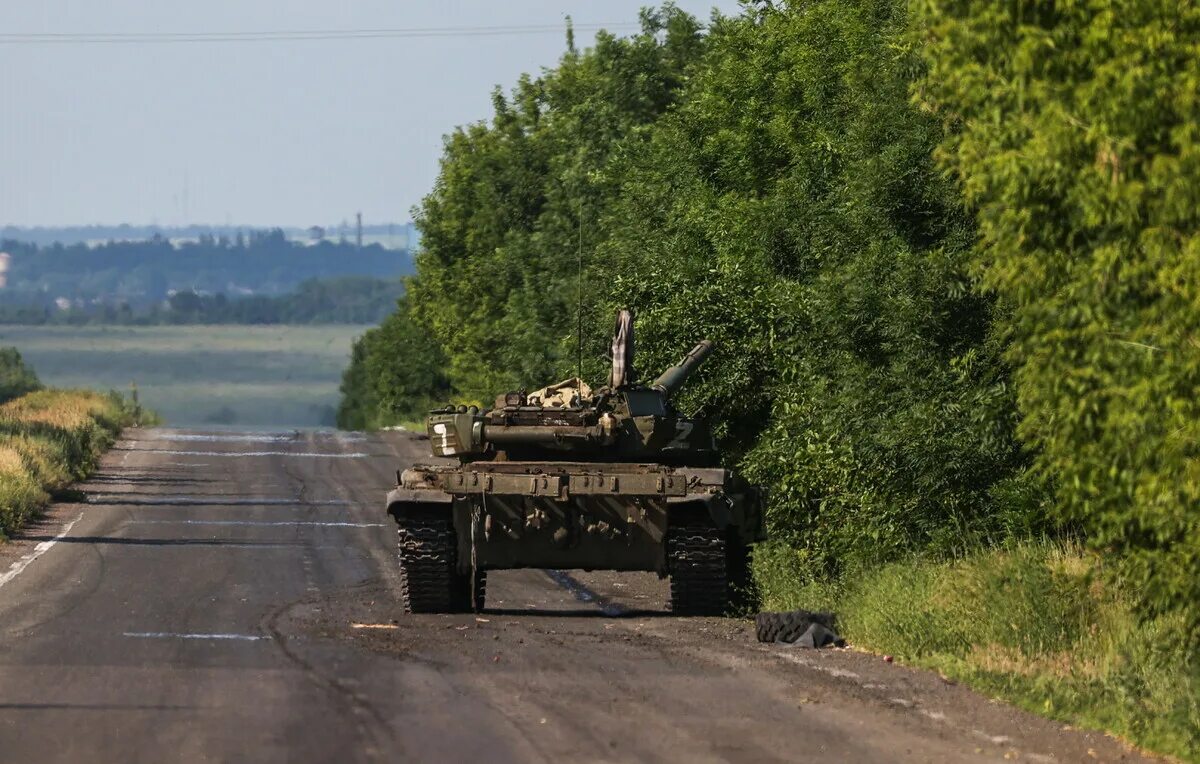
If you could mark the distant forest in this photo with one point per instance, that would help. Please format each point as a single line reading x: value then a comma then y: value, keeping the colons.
x: 343, y: 300
x: 141, y: 274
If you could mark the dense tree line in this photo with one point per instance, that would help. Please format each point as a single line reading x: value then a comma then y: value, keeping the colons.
x: 947, y: 251
x: 345, y: 300
x: 144, y: 272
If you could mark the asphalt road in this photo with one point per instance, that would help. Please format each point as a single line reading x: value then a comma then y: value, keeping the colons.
x: 229, y: 597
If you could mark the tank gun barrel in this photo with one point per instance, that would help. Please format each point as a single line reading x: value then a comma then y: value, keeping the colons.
x: 673, y: 378
x: 514, y: 435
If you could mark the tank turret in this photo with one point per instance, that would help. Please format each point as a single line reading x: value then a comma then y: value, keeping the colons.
x: 569, y: 421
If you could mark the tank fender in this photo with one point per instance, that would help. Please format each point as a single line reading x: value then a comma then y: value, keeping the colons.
x: 716, y: 505
x: 402, y: 501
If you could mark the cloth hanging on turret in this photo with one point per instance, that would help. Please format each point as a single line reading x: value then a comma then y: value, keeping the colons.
x: 622, y: 352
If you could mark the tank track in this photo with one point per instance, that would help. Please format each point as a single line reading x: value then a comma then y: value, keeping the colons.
x: 429, y: 577
x: 698, y: 565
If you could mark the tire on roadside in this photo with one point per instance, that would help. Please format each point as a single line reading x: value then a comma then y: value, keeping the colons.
x: 788, y: 626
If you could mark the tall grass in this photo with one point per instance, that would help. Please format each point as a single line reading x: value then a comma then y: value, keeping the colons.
x: 1044, y: 625
x: 48, y: 440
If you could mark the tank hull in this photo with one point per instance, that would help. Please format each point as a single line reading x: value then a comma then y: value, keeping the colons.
x: 586, y: 515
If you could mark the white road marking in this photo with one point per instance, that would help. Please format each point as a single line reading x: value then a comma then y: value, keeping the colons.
x: 831, y: 670
x: 258, y: 523
x: 254, y: 545
x: 994, y: 739
x: 20, y: 565
x: 303, y: 454
x: 173, y: 635
x: 149, y: 498
x: 248, y: 438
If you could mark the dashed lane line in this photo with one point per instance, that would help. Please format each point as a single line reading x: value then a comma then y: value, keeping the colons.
x: 259, y: 523
x: 239, y: 454
x: 150, y: 499
x: 831, y: 670
x: 282, y: 437
x: 177, y: 635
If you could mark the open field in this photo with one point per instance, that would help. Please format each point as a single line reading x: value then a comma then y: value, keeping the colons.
x: 251, y: 376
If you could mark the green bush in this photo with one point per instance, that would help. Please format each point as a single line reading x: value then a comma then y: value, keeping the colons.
x: 15, y: 377
x: 1074, y: 129
x: 396, y: 373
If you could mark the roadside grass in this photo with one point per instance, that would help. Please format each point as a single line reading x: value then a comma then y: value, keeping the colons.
x: 1042, y: 625
x: 51, y: 438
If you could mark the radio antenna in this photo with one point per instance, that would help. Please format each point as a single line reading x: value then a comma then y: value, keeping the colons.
x: 579, y: 299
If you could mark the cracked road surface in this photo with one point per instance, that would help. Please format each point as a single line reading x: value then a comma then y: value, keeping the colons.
x: 227, y: 596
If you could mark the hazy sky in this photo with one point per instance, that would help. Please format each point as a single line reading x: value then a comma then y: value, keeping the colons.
x: 256, y: 132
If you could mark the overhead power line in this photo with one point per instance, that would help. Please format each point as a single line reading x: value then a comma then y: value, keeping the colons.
x: 293, y: 35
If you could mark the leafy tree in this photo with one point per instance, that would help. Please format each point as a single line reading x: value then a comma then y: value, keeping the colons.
x: 790, y: 210
x: 1075, y: 133
x: 518, y: 198
x: 16, y: 378
x: 396, y: 373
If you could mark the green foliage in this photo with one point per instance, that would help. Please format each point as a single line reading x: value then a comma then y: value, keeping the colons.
x: 516, y: 198
x: 396, y: 373
x: 789, y: 209
x: 1031, y: 623
x: 1075, y: 133
x: 16, y: 378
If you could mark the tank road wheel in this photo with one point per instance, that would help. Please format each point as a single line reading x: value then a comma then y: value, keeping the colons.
x: 429, y: 580
x: 698, y: 566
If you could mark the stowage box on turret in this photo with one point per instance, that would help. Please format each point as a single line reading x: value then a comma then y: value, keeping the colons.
x: 570, y: 478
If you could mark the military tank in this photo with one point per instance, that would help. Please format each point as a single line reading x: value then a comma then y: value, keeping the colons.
x: 567, y: 477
